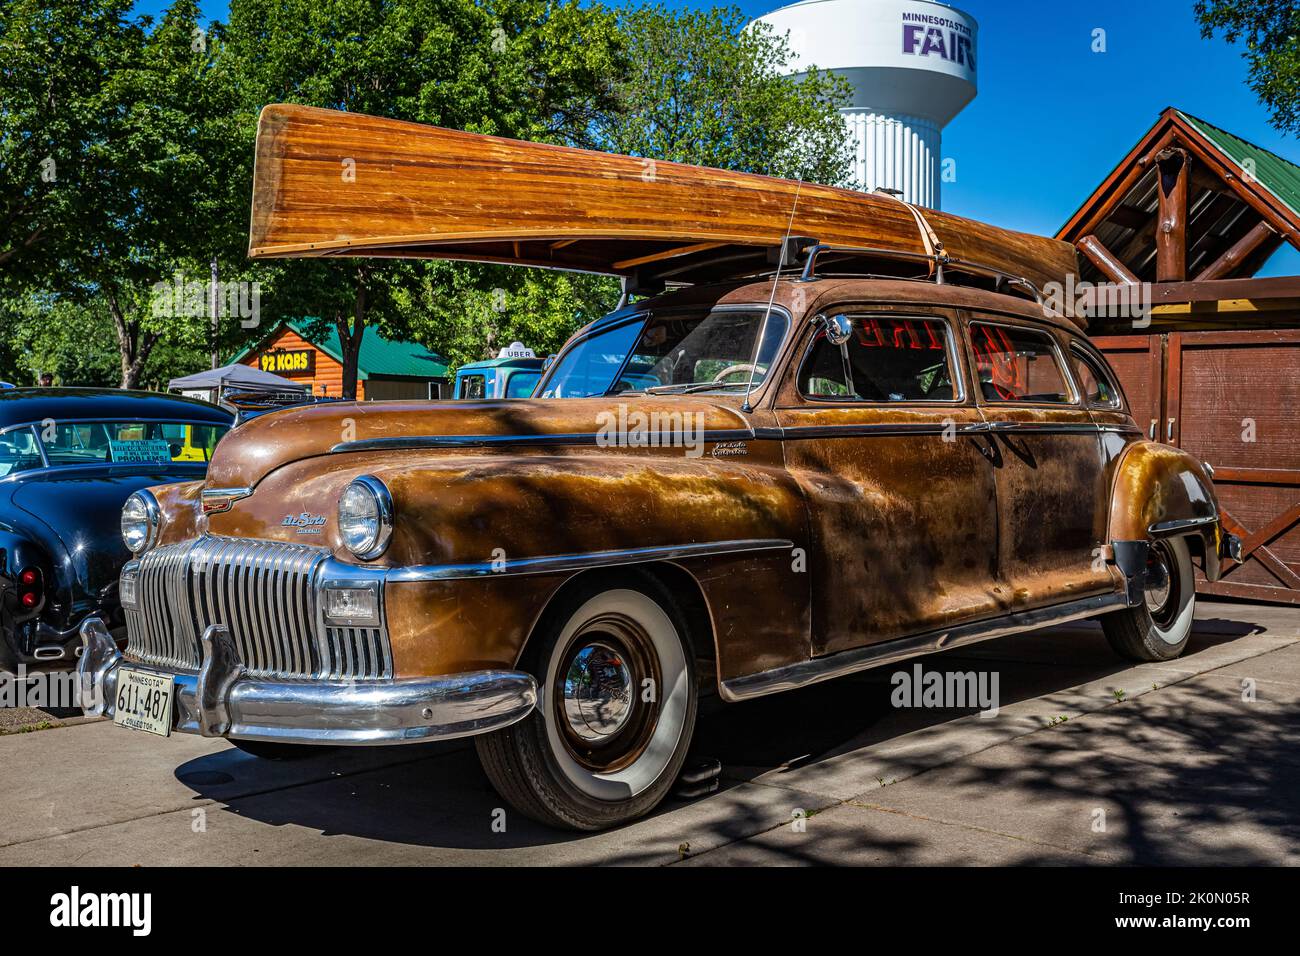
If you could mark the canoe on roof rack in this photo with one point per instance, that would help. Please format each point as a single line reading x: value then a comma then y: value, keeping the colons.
x: 329, y: 183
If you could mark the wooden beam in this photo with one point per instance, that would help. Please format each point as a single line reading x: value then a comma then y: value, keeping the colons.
x: 1228, y: 307
x: 672, y: 253
x: 1171, y: 231
x: 1106, y: 261
x: 1238, y: 253
x: 1263, y: 476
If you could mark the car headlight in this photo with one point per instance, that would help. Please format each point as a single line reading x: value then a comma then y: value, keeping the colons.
x: 140, y: 521
x: 366, y: 517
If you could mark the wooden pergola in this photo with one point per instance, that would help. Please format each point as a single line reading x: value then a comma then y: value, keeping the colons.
x: 1192, y: 213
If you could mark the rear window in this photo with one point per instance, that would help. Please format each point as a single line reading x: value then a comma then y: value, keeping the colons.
x: 1099, y: 389
x: 1018, y: 365
x: 886, y: 359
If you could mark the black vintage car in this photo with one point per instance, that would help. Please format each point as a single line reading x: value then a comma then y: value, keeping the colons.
x: 69, y: 460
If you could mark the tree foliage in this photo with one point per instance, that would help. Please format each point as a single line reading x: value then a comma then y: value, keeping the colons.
x: 1271, y: 31
x: 135, y: 117
x: 126, y: 149
x: 702, y: 87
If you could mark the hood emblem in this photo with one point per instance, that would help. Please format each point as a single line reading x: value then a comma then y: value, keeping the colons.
x: 217, y: 500
x: 306, y: 523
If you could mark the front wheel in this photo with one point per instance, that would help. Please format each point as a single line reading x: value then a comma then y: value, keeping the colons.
x: 1158, y: 629
x: 615, y: 711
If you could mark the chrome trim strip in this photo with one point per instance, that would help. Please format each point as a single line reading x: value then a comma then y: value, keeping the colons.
x: 793, y: 433
x: 792, y: 676
x: 222, y: 701
x: 491, y: 441
x: 577, y: 562
x: 1174, y: 525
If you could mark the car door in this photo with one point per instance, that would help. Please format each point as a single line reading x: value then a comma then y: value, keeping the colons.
x: 884, y: 439
x: 1049, y: 462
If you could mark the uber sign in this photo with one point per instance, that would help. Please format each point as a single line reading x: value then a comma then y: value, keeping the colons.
x: 289, y: 361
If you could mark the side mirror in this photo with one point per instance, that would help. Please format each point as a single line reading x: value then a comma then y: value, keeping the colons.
x: 838, y: 328
x: 549, y: 361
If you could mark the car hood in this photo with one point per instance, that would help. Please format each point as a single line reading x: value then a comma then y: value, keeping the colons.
x: 256, y: 448
x: 82, y: 507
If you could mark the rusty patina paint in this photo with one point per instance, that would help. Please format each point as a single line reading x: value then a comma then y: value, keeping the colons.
x: 893, y: 534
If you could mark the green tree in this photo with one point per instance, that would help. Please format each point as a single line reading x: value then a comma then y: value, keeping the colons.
x: 56, y: 58
x: 136, y: 117
x: 529, y: 69
x: 468, y: 312
x: 1271, y: 30
x: 709, y: 88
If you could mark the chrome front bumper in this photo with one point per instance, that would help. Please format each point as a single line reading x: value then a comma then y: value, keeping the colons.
x: 221, y: 701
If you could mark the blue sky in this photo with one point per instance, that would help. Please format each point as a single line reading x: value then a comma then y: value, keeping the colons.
x: 1052, y: 118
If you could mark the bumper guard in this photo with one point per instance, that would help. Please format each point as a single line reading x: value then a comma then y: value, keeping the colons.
x: 222, y: 701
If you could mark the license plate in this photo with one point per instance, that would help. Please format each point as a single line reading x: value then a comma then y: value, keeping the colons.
x: 144, y: 702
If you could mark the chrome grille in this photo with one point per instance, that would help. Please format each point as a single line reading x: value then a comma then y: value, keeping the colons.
x: 265, y: 593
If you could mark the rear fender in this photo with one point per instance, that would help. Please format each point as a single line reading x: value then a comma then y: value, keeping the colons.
x: 1163, y: 492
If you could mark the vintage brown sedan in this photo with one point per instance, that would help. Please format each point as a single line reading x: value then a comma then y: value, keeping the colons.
x: 707, y: 494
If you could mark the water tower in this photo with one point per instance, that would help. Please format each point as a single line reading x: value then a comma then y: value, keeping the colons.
x: 911, y: 64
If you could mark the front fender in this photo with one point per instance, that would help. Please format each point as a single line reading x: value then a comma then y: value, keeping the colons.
x: 494, y: 510
x: 1158, y: 492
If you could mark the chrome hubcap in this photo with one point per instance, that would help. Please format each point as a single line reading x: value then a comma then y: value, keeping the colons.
x: 597, y: 692
x: 1158, y: 584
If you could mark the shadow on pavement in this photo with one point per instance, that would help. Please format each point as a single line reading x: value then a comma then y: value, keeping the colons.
x: 1210, y: 764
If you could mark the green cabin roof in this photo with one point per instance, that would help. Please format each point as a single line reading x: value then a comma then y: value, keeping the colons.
x: 379, y: 355
x: 1277, y: 175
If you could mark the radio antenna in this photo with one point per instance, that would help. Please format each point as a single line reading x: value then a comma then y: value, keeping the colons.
x: 762, y: 329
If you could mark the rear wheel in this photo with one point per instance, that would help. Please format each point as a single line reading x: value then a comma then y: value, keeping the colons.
x: 615, y: 712
x: 1158, y: 629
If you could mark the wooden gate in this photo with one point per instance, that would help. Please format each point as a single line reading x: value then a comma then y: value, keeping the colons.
x: 1232, y: 399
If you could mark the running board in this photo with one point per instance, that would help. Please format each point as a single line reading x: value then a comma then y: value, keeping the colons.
x: 793, y: 676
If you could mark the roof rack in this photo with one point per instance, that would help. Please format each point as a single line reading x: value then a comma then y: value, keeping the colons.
x: 938, y: 262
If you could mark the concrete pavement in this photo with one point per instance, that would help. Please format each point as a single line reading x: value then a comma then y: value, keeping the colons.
x: 1089, y: 760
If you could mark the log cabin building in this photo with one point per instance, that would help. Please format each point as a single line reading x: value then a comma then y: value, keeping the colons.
x: 1196, y: 211
x: 386, y: 369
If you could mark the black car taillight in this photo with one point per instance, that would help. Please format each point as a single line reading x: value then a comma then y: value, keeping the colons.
x: 30, y: 588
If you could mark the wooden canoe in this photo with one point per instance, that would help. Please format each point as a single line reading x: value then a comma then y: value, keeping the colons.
x: 333, y: 183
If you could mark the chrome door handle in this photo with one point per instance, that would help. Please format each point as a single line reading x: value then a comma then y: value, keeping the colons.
x: 1151, y: 432
x: 974, y: 428
x: 1169, y: 430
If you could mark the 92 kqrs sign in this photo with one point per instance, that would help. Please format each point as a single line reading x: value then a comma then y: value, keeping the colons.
x: 288, y: 362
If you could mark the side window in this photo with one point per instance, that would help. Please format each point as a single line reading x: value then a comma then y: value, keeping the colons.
x: 1018, y: 365
x: 473, y: 386
x: 889, y: 359
x: 1099, y: 389
x: 18, y: 451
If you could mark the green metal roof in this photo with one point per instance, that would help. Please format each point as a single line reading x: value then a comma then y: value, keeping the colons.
x: 1277, y: 175
x: 379, y: 356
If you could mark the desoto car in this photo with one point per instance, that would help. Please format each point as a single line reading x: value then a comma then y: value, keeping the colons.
x: 829, y: 474
x: 69, y: 459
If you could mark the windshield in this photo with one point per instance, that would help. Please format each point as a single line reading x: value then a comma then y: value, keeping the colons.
x: 679, y: 351
x: 82, y: 443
